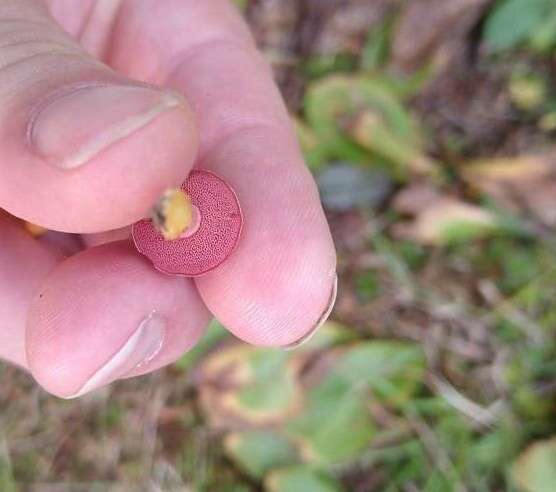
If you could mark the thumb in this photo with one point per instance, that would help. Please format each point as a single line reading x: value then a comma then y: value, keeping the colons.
x: 82, y: 149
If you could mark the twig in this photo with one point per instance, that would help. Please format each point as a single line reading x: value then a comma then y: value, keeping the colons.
x: 486, y: 417
x: 437, y: 453
x: 507, y: 310
x: 157, y: 399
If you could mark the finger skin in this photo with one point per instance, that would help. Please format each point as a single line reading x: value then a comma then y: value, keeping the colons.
x: 115, y: 186
x: 91, y: 305
x: 73, y: 16
x: 115, y: 189
x: 106, y: 237
x: 275, y: 287
x: 24, y: 262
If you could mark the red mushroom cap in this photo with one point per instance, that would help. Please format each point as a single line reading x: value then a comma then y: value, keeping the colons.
x: 210, y: 244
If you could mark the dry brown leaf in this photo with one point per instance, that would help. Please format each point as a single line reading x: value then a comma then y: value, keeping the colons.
x: 426, y: 26
x: 525, y: 184
x: 412, y: 199
x: 438, y: 218
x: 434, y: 225
x: 345, y: 27
x: 507, y: 169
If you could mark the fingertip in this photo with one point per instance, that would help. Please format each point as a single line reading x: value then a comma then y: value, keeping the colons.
x: 275, y: 287
x: 104, y: 314
x: 24, y: 262
x: 279, y: 311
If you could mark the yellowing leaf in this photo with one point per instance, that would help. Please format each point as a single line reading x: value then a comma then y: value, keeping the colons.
x: 535, y: 469
x: 446, y: 220
x: 242, y: 384
x: 528, y: 92
x: 507, y: 170
x: 361, y: 119
x: 370, y: 131
x: 440, y: 224
x: 525, y: 184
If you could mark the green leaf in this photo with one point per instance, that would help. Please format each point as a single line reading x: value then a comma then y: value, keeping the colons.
x: 214, y: 334
x: 335, y: 425
x: 412, y: 254
x: 331, y: 334
x: 406, y: 462
x: 438, y: 483
x: 495, y: 449
x: 367, y: 285
x: 313, y: 151
x: 272, y: 387
x: 301, y: 479
x: 112, y: 415
x: 391, y: 369
x: 543, y: 38
x: 7, y: 481
x: 520, y: 268
x: 462, y: 231
x: 514, y: 21
x: 241, y: 4
x: 319, y: 66
x: 259, y: 385
x: 259, y: 452
x: 361, y: 119
x: 535, y: 469
x: 376, y: 50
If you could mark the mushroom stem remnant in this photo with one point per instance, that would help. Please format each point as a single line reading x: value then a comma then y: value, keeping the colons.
x: 173, y: 214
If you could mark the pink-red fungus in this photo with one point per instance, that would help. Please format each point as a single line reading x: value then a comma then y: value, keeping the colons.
x: 212, y: 237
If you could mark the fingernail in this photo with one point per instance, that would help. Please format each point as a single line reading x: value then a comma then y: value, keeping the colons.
x: 322, y: 319
x: 140, y: 348
x: 70, y: 128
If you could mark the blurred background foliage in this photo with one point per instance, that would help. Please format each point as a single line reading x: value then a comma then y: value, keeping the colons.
x: 429, y: 125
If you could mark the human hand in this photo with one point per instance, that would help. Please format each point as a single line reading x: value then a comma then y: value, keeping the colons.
x: 87, y: 147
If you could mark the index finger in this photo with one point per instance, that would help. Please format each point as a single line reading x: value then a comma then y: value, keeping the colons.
x: 280, y: 282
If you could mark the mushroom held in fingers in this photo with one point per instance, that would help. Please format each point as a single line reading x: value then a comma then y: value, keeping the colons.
x: 209, y: 214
